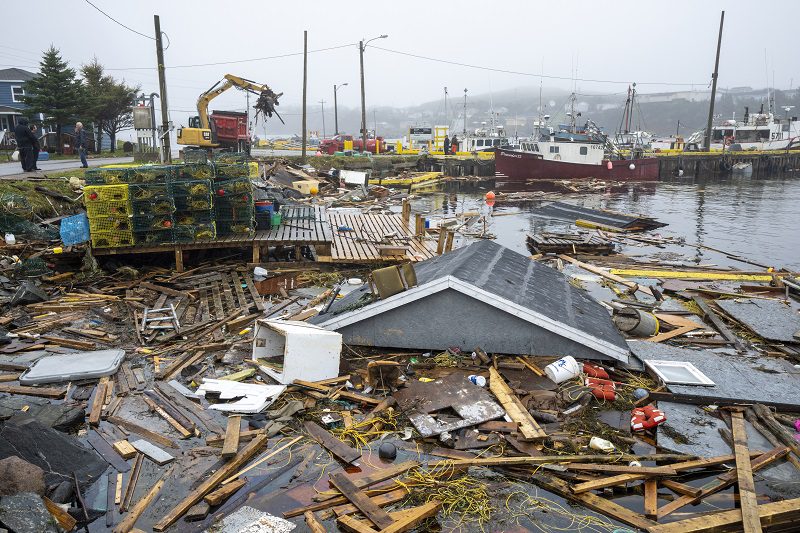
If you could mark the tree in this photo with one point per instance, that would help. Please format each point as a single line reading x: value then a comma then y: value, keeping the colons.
x: 55, y: 92
x: 108, y: 101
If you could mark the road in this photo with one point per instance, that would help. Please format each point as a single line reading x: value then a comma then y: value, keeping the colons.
x: 14, y: 168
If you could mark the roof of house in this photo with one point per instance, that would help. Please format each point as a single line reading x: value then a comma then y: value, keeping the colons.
x: 511, y: 281
x: 15, y: 74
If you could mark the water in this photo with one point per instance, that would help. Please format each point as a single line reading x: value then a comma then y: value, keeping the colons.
x: 754, y: 219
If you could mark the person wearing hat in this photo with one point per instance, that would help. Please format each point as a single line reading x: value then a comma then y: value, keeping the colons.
x: 26, y: 141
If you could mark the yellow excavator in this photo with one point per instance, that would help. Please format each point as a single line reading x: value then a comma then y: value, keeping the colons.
x: 227, y: 129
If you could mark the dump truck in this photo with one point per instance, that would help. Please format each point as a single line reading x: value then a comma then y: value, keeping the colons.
x: 227, y: 129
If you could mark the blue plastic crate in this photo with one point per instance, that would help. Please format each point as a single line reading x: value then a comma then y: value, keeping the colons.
x: 75, y: 229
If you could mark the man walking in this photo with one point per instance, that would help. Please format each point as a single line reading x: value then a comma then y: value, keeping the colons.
x: 26, y: 140
x: 80, y: 143
x: 446, y: 145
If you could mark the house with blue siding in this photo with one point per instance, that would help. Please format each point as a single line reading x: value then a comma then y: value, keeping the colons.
x: 12, y: 81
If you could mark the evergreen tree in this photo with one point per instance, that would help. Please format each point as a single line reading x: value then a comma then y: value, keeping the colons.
x: 55, y: 92
x: 108, y: 102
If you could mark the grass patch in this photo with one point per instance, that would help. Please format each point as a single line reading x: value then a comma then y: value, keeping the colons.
x: 41, y: 204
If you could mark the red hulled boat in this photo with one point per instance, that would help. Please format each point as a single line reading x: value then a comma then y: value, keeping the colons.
x: 513, y: 165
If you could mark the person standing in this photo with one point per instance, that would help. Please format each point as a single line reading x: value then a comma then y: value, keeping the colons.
x: 25, y: 143
x: 80, y: 143
x: 446, y: 145
x: 454, y: 145
x: 37, y: 147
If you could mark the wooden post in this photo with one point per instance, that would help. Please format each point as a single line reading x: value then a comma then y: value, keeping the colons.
x: 420, y: 225
x: 744, y: 474
x: 178, y: 260
x: 406, y: 211
x: 440, y: 243
x: 651, y: 497
x: 448, y: 247
x: 305, y: 84
x: 256, y: 253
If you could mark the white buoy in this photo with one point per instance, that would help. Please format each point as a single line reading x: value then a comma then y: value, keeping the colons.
x: 610, y: 165
x: 632, y: 166
x: 680, y: 173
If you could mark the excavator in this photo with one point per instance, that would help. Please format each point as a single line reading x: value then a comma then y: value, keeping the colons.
x: 227, y: 129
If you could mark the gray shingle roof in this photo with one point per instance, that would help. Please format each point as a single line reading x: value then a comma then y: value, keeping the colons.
x: 15, y: 74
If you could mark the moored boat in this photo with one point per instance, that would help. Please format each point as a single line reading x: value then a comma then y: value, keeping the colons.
x: 513, y: 165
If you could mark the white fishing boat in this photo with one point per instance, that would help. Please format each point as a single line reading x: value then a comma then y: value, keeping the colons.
x: 757, y: 131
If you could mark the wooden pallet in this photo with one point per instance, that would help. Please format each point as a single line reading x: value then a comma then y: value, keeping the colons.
x: 370, y: 233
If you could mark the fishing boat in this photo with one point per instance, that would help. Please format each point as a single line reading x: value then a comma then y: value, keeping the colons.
x: 757, y: 131
x: 573, y: 153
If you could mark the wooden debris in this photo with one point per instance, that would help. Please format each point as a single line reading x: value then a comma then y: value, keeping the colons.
x: 774, y: 514
x: 130, y: 486
x: 375, y: 514
x: 224, y: 492
x: 107, y: 452
x: 98, y: 400
x: 154, y: 453
x: 44, y: 392
x: 262, y: 460
x: 208, y: 485
x: 231, y: 445
x: 144, y: 432
x: 185, y: 433
x: 404, y: 520
x: 133, y: 515
x: 64, y: 519
x: 744, y: 473
x: 528, y: 427
x: 338, y: 448
x: 312, y: 523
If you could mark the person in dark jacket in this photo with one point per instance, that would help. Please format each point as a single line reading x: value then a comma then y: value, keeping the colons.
x: 80, y: 143
x: 446, y: 145
x: 25, y: 143
x: 454, y: 144
x: 36, y: 148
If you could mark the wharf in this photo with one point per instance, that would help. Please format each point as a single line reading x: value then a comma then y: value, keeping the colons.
x: 372, y: 236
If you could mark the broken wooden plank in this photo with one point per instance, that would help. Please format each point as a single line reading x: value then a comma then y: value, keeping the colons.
x: 231, y: 444
x: 271, y: 454
x: 130, y: 486
x: 124, y: 448
x: 766, y: 418
x: 338, y: 448
x: 744, y: 475
x: 133, y: 515
x: 97, y: 402
x: 773, y: 514
x: 680, y: 488
x: 651, y: 498
x: 44, y: 392
x: 185, y: 433
x: 224, y: 492
x: 712, y: 317
x: 381, y: 500
x: 375, y: 514
x: 179, y: 364
x: 64, y: 519
x: 208, y: 485
x: 602, y: 273
x: 677, y: 332
x: 528, y: 427
x: 624, y: 469
x: 722, y: 481
x: 144, y: 432
x: 70, y: 343
x: 404, y: 520
x: 349, y: 395
x: 107, y: 452
x: 312, y: 523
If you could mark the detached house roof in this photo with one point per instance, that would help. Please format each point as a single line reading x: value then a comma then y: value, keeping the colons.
x: 15, y: 74
x: 500, y: 287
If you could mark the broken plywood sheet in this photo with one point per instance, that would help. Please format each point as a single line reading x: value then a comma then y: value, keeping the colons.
x: 769, y: 319
x: 449, y: 403
x: 738, y: 379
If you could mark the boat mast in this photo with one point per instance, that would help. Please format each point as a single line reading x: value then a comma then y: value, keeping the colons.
x: 464, y: 132
x: 445, y: 109
x: 714, y: 86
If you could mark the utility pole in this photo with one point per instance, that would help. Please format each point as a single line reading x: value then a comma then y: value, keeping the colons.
x: 336, y: 107
x: 322, y: 103
x: 363, y: 101
x: 166, y: 152
x: 305, y: 82
x: 714, y: 87
x: 445, y: 109
x: 464, y: 133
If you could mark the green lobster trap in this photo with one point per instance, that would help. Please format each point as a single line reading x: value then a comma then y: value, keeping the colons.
x: 159, y: 205
x: 152, y: 173
x: 154, y: 238
x: 147, y: 191
x: 153, y: 222
x: 193, y: 217
x: 239, y: 228
x: 195, y: 232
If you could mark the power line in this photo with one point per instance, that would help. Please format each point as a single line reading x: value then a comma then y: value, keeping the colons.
x: 241, y: 60
x: 520, y: 73
x: 118, y: 22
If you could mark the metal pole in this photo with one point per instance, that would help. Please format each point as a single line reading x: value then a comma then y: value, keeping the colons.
x: 714, y: 87
x: 322, y: 103
x: 166, y: 152
x: 363, y: 101
x: 305, y: 82
x: 335, y: 113
x: 464, y: 133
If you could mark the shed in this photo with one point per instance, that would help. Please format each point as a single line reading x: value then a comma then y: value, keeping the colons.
x: 481, y: 295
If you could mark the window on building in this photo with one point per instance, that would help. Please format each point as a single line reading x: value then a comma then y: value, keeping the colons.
x: 17, y: 93
x: 584, y: 150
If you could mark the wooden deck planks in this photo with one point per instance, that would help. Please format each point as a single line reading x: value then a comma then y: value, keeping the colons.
x: 359, y: 245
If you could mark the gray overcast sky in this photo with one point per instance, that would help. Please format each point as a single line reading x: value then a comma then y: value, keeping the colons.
x: 670, y: 42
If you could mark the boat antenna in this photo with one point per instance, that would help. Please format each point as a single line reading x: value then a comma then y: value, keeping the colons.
x: 445, y: 109
x: 541, y: 80
x: 766, y: 75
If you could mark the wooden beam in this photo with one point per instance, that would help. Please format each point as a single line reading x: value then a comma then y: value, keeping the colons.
x: 651, y: 498
x: 711, y: 316
x: 545, y: 459
x: 375, y: 514
x: 677, y: 332
x: 744, y: 475
x: 185, y: 433
x: 124, y: 448
x: 770, y: 514
x: 144, y: 432
x: 195, y: 495
x: 381, y: 500
x: 722, y: 482
x: 133, y: 515
x: 404, y: 520
x: 766, y: 418
x: 271, y: 454
x: 354, y: 396
x: 224, y: 492
x: 338, y: 448
x: 680, y: 488
x: 44, y: 392
x: 231, y: 444
x: 179, y: 364
x: 528, y: 427
x: 312, y: 523
x: 624, y: 469
x: 97, y: 401
x: 602, y: 273
x: 130, y: 486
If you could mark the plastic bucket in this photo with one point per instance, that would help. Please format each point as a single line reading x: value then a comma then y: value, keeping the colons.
x: 563, y: 369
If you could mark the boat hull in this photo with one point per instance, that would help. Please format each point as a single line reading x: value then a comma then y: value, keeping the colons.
x: 521, y: 166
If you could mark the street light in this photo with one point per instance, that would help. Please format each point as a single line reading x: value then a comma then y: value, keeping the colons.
x: 336, y: 107
x: 361, y: 46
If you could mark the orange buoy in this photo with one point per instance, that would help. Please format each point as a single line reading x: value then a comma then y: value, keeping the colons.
x: 490, y: 195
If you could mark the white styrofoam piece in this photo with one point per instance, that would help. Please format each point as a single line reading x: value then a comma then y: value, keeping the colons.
x: 73, y: 366
x: 152, y: 451
x: 185, y: 391
x: 247, y: 519
x: 353, y: 177
x: 254, y: 398
x: 310, y: 353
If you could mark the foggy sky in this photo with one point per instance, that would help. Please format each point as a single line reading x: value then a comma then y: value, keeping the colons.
x: 652, y: 44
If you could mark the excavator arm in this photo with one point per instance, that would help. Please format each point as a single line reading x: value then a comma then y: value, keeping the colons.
x: 267, y: 98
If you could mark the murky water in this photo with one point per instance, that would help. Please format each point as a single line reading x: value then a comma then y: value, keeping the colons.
x: 755, y: 219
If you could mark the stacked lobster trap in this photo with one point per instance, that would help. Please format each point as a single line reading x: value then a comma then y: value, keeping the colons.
x: 163, y: 204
